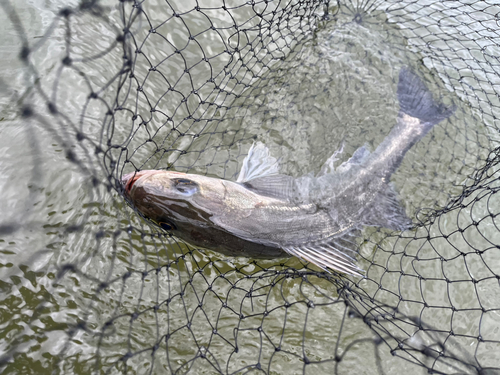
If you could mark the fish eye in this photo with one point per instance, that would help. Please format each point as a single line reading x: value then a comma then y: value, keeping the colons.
x: 185, y: 186
x: 167, y: 225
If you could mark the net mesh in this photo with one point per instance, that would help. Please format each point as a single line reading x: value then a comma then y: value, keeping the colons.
x: 101, y: 89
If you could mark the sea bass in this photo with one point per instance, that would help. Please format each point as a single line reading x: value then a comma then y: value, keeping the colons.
x: 265, y: 214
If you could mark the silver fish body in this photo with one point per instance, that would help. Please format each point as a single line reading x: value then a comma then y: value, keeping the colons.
x: 223, y: 215
x: 265, y: 214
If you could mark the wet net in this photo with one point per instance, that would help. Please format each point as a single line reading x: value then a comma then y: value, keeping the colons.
x: 103, y: 88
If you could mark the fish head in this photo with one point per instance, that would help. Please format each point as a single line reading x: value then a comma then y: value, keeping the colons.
x: 175, y: 201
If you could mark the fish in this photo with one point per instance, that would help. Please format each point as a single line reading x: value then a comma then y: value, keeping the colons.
x: 267, y: 214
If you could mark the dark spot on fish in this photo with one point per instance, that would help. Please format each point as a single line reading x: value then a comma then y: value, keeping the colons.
x: 185, y: 186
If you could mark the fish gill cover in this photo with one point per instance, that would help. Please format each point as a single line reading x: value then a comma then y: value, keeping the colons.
x: 99, y: 89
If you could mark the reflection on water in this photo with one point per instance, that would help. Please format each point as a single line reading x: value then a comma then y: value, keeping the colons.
x: 127, y: 291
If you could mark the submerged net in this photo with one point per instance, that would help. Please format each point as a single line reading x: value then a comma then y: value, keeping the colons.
x: 101, y: 89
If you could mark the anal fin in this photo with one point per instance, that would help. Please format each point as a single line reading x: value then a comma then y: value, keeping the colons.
x: 334, y: 254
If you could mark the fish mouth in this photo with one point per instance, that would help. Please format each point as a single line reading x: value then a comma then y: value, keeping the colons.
x: 130, y: 179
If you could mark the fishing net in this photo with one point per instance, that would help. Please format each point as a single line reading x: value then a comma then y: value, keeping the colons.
x: 95, y: 90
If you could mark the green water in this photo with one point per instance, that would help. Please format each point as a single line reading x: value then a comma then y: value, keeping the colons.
x: 338, y: 86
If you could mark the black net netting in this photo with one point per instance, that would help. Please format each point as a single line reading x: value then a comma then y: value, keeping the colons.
x: 98, y: 89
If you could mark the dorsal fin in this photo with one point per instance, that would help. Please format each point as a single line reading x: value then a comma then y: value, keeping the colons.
x: 358, y: 158
x: 258, y: 163
x: 328, y: 166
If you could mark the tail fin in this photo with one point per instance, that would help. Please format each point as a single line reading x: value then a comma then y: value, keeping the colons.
x: 416, y: 100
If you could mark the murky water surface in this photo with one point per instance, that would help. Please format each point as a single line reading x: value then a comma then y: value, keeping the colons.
x: 133, y: 292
